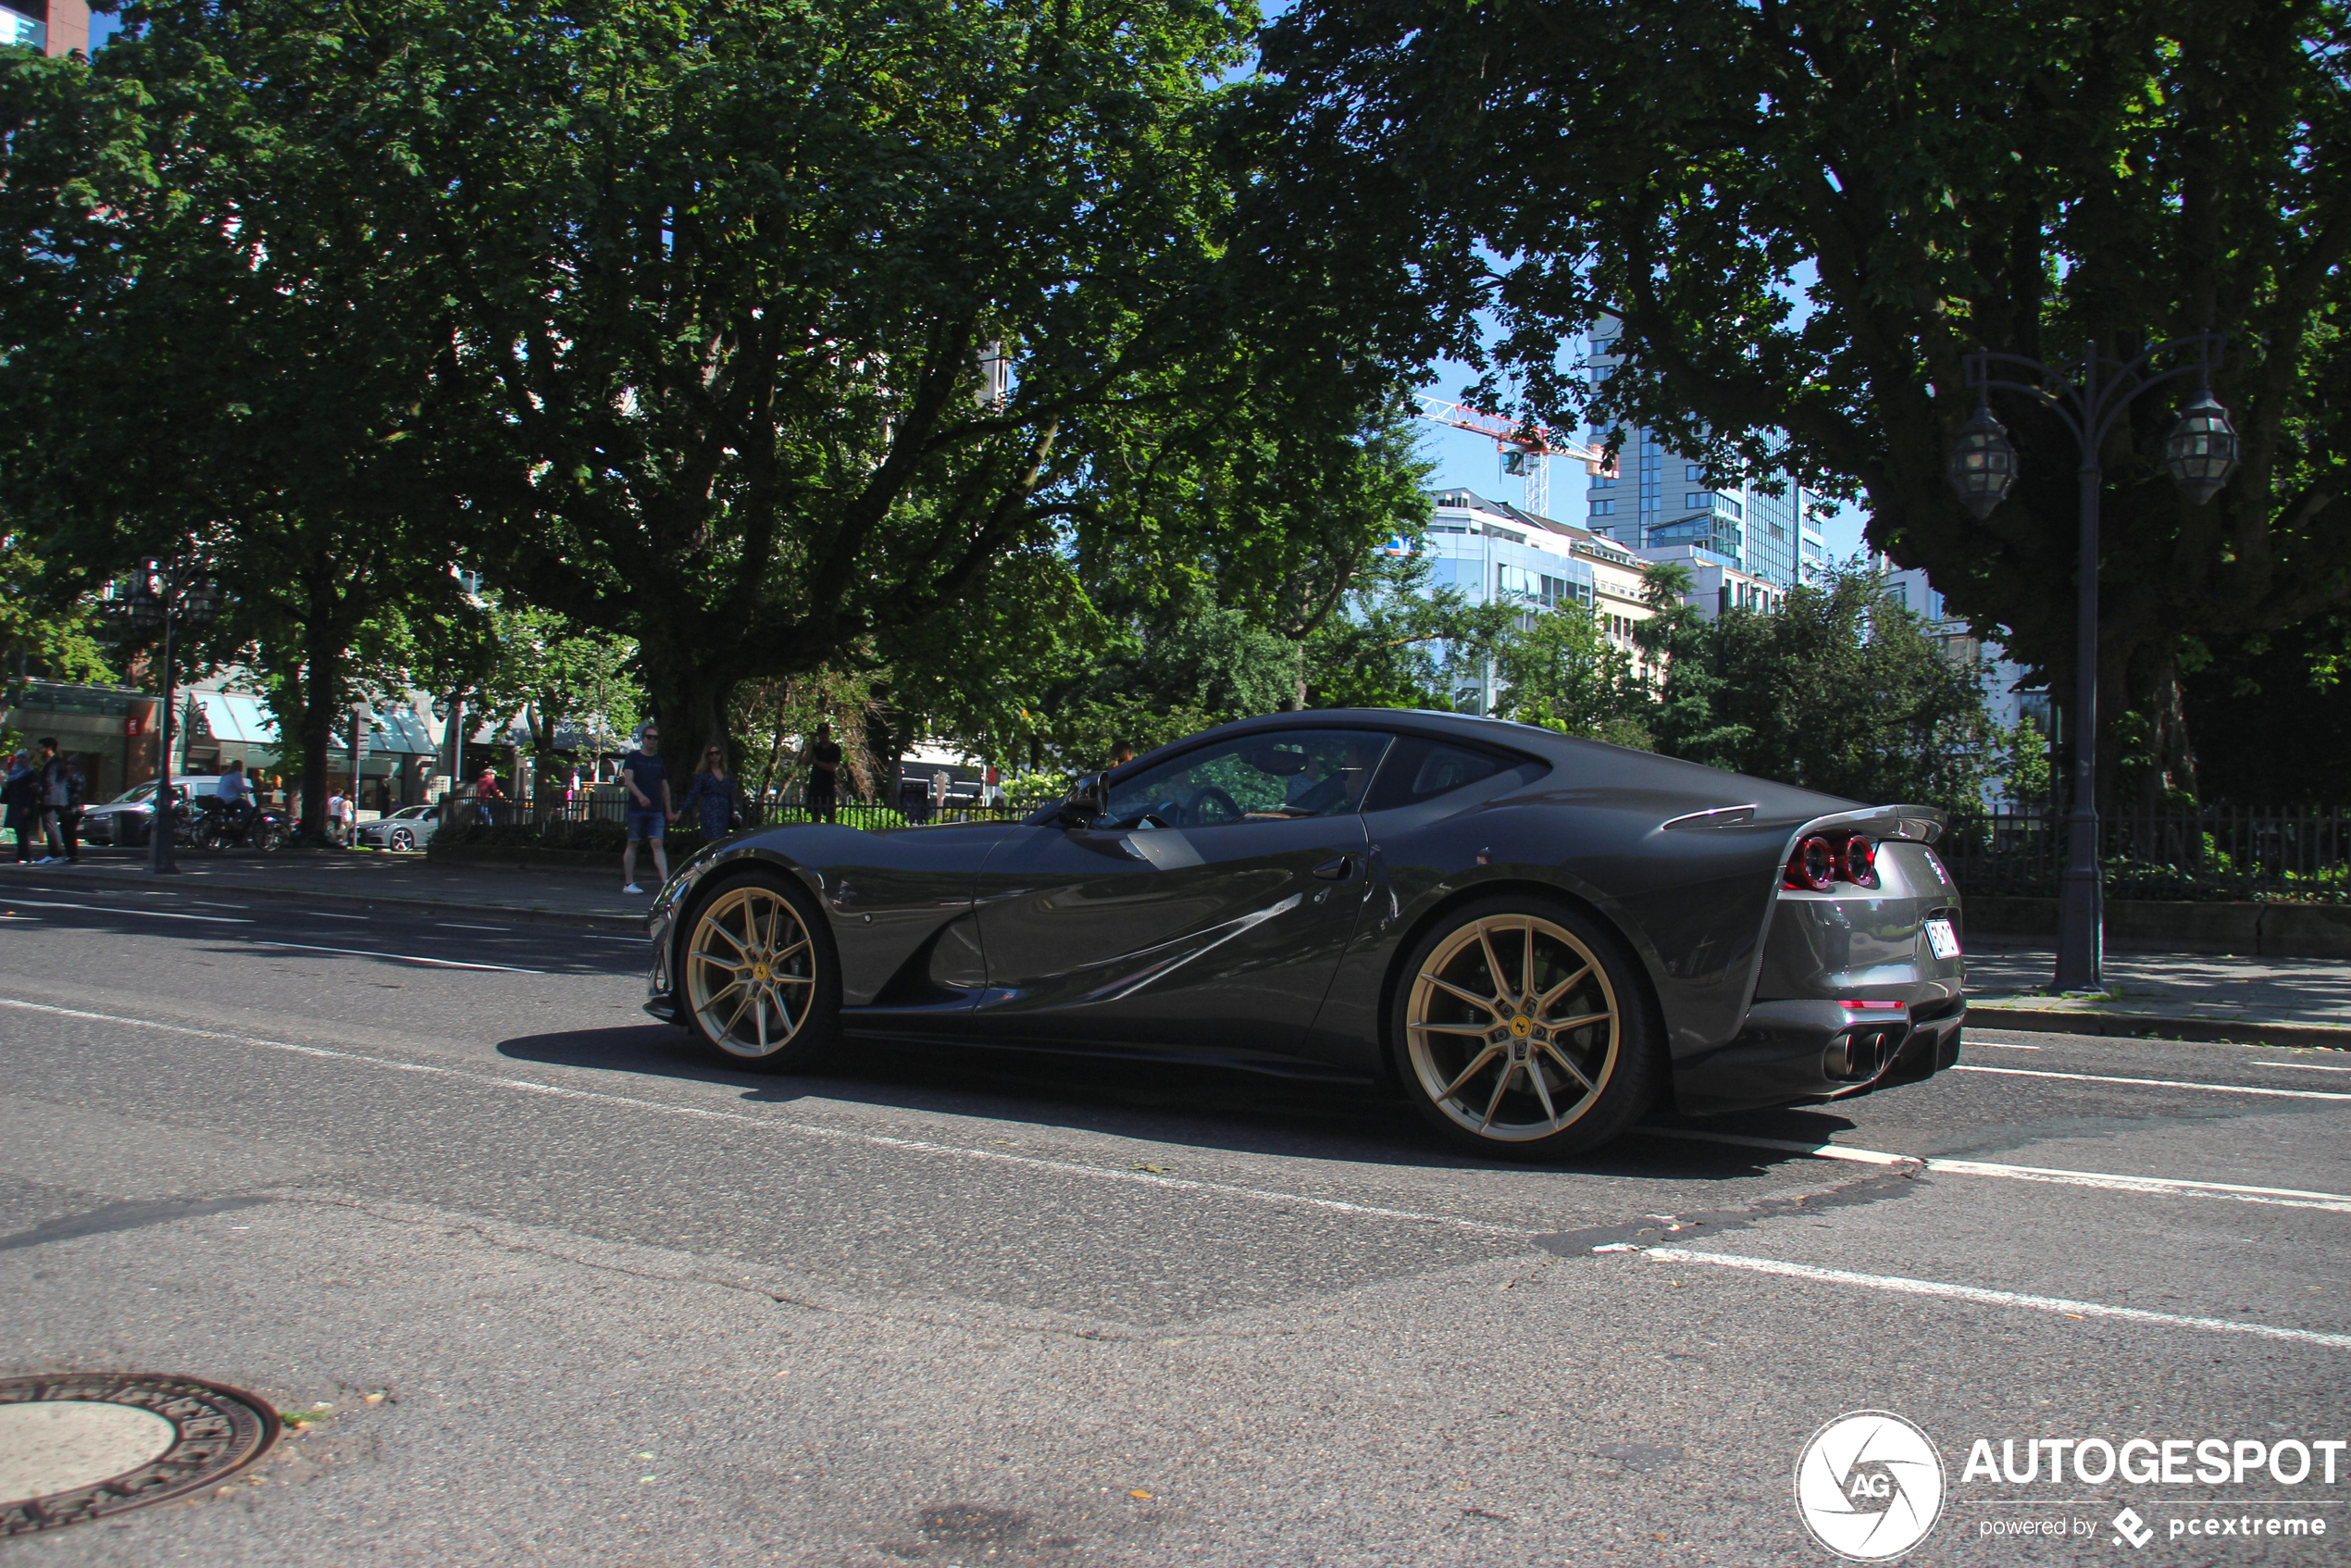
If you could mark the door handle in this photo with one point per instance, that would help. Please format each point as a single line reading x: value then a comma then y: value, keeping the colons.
x: 1337, y: 870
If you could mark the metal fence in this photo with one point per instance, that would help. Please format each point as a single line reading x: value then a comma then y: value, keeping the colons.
x: 2214, y: 853
x: 557, y: 815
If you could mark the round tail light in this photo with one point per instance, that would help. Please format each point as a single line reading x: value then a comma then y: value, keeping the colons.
x: 1814, y: 865
x: 1860, y: 862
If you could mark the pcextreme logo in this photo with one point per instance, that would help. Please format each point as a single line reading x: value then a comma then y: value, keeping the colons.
x: 1868, y: 1485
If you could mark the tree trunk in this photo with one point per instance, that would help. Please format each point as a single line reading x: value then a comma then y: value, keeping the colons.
x: 689, y: 701
x: 322, y: 689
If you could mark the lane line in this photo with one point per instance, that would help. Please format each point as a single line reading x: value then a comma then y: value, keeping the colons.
x: 2301, y: 1067
x: 2282, y: 1197
x: 2156, y: 1083
x: 1902, y: 1285
x: 143, y: 913
x: 461, y: 925
x: 2002, y: 1045
x: 838, y: 1135
x: 328, y: 915
x: 1789, y: 1145
x: 403, y: 957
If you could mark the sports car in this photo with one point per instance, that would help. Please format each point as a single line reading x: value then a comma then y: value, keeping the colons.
x: 1538, y: 939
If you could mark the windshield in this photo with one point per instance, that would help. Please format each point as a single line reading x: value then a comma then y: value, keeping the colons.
x: 136, y: 793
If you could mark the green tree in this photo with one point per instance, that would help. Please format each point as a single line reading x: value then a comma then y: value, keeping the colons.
x: 1564, y: 674
x: 554, y: 675
x: 215, y: 351
x: 1843, y: 691
x: 779, y: 325
x: 1802, y: 213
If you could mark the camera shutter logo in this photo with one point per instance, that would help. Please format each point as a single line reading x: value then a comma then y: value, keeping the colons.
x: 1868, y: 1485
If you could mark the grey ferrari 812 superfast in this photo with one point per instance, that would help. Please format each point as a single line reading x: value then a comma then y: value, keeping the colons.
x: 1536, y: 938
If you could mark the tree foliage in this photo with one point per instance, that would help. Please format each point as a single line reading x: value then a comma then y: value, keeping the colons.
x: 1841, y: 689
x: 1803, y: 213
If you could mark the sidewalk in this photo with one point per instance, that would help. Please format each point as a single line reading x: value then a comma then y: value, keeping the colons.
x: 2195, y: 996
x: 403, y: 884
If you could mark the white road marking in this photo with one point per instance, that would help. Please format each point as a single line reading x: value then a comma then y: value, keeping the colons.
x: 838, y: 1135
x: 325, y: 914
x: 1996, y: 1298
x: 2156, y: 1083
x: 1825, y: 1150
x: 2282, y: 1197
x: 461, y: 925
x: 2001, y: 1045
x: 143, y: 913
x: 2301, y: 1067
x: 403, y: 957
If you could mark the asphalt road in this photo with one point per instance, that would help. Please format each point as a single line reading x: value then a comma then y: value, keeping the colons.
x: 557, y: 1289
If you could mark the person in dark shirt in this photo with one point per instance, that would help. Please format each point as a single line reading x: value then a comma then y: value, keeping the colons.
x: 823, y: 761
x: 647, y: 806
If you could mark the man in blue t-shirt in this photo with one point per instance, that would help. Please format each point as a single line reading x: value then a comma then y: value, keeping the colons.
x: 647, y: 805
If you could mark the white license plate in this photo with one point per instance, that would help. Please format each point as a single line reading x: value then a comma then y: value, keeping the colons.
x: 1943, y: 938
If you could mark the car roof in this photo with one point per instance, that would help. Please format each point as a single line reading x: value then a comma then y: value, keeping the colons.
x: 1620, y: 765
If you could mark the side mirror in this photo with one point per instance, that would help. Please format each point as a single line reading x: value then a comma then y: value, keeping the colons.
x: 1085, y: 805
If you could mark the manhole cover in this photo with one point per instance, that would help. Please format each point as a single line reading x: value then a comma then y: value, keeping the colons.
x: 82, y: 1446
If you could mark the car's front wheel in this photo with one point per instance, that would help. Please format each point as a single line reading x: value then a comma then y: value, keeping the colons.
x: 1521, y: 1030
x: 762, y: 986
x: 402, y: 840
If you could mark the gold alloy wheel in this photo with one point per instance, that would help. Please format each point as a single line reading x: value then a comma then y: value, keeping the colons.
x: 751, y: 973
x: 1514, y: 1028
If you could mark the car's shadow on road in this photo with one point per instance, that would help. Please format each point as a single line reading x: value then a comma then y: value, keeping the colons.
x: 1200, y: 1106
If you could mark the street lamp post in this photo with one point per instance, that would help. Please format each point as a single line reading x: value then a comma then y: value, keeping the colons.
x: 2200, y: 452
x: 168, y: 597
x: 360, y: 714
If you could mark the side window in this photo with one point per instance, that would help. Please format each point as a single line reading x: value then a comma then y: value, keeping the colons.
x: 1421, y: 770
x: 1265, y: 777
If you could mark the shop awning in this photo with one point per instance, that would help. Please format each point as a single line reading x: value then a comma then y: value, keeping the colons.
x: 235, y: 719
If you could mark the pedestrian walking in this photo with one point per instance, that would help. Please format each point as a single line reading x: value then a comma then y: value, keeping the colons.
x: 822, y: 759
x: 17, y: 809
x: 715, y: 793
x: 647, y: 808
x: 70, y: 814
x: 487, y: 795
x: 51, y: 800
x: 336, y: 806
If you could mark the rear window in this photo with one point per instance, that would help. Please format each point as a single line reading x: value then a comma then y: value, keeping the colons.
x: 1418, y: 769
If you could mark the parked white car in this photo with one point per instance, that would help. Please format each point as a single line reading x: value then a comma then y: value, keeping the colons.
x: 410, y: 827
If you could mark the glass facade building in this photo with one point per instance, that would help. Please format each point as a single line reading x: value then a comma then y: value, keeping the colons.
x: 1658, y: 498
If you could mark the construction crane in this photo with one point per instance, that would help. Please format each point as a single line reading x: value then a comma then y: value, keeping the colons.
x: 1527, y: 449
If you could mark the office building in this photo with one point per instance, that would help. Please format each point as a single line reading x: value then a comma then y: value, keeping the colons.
x: 1659, y: 500
x: 54, y: 27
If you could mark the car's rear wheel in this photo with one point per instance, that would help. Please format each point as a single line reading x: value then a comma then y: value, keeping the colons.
x: 762, y: 986
x: 402, y: 840
x: 1521, y: 1030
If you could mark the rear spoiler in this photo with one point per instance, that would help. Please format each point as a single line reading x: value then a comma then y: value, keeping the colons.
x: 1919, y: 824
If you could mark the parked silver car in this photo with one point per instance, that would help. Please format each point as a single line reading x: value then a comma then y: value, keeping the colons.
x: 410, y: 827
x: 123, y: 821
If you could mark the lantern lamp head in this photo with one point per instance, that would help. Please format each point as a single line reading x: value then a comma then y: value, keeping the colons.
x: 1982, y: 463
x: 2201, y: 451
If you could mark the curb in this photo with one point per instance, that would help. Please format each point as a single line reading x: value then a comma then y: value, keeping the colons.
x: 391, y: 903
x: 2156, y: 1025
